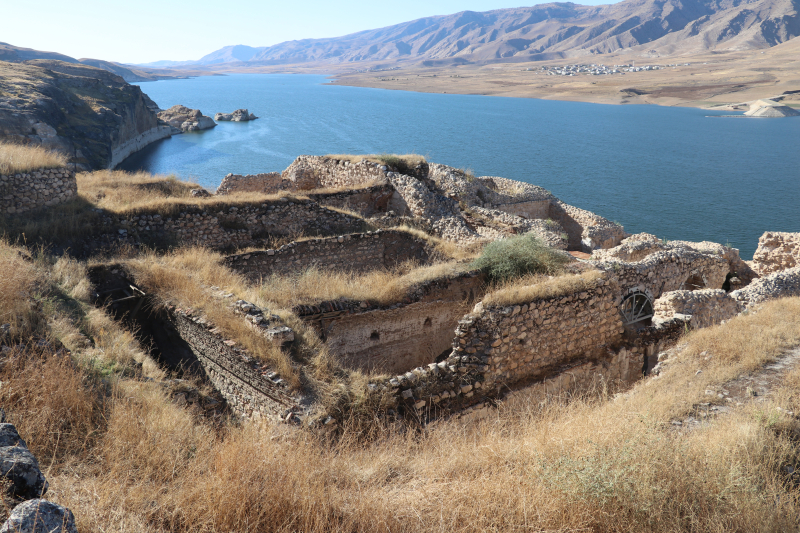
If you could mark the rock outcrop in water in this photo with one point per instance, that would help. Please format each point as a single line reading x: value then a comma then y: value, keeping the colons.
x: 240, y: 115
x: 184, y: 119
x: 91, y: 115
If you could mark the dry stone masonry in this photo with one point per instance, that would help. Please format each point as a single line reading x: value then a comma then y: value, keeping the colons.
x: 776, y: 251
x: 358, y: 252
x: 21, y: 193
x: 394, y: 338
x: 437, y: 197
x: 268, y: 183
x: 227, y: 226
x: 252, y: 389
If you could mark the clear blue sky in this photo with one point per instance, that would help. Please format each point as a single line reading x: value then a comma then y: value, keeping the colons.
x: 141, y: 31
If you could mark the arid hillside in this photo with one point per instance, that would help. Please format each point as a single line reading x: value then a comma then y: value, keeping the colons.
x: 547, y: 31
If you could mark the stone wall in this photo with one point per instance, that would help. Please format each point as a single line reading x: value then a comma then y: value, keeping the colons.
x: 20, y: 193
x: 586, y: 231
x: 367, y: 202
x: 244, y: 383
x: 776, y: 251
x: 781, y: 284
x: 668, y: 270
x: 226, y: 226
x: 498, y: 350
x: 359, y: 252
x: 527, y: 341
x: 399, y: 337
x: 269, y: 183
x: 314, y: 172
x: 706, y: 307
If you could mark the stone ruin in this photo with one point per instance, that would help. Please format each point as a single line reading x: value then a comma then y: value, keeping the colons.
x: 40, y: 189
x: 445, y: 201
x: 446, y: 352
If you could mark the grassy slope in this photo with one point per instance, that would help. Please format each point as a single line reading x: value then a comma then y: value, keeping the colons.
x: 124, y: 458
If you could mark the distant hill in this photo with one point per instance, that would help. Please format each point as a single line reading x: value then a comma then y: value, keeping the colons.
x: 17, y: 54
x: 547, y: 31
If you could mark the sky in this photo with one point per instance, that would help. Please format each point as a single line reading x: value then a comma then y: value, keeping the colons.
x: 142, y: 31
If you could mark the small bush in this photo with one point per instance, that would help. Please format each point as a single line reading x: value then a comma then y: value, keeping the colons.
x: 517, y: 256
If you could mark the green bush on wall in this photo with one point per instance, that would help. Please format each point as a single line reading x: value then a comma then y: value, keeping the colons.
x: 517, y: 256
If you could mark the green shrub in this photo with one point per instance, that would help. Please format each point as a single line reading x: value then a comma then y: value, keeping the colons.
x: 517, y: 256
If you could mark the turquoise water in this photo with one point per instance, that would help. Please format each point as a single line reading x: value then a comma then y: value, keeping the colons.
x: 672, y: 172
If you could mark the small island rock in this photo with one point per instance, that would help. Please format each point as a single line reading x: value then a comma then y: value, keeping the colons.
x: 184, y: 119
x: 240, y: 115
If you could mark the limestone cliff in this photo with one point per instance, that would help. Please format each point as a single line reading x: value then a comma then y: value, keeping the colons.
x: 93, y: 116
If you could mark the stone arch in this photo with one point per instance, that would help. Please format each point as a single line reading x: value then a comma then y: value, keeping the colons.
x: 694, y: 282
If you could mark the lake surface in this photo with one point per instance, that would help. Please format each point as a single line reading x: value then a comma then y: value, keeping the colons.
x: 672, y: 172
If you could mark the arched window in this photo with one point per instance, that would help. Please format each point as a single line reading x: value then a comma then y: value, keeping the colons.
x: 636, y: 307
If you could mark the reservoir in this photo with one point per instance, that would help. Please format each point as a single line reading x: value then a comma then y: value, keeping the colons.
x: 669, y: 171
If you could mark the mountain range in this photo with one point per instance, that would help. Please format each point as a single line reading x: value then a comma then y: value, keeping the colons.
x: 18, y: 54
x: 546, y: 31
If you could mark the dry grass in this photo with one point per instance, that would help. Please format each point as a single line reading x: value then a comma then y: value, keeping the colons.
x: 589, y: 464
x: 382, y: 287
x: 538, y: 286
x: 184, y: 277
x: 18, y: 158
x: 410, y: 160
x: 19, y: 278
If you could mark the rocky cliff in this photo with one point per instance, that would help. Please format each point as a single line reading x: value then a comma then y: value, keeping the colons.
x: 93, y: 116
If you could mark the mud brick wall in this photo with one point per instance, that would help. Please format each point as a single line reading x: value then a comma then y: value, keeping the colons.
x: 413, y: 332
x: 20, y: 193
x: 360, y: 252
x: 240, y: 379
x: 231, y: 226
x: 536, y: 209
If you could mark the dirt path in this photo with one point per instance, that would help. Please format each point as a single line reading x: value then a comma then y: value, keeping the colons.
x: 754, y: 387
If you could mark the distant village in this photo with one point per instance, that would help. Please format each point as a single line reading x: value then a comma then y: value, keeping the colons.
x: 599, y: 70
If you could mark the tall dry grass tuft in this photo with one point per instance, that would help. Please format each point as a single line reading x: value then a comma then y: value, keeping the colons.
x: 55, y: 406
x: 21, y: 158
x: 20, y: 278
